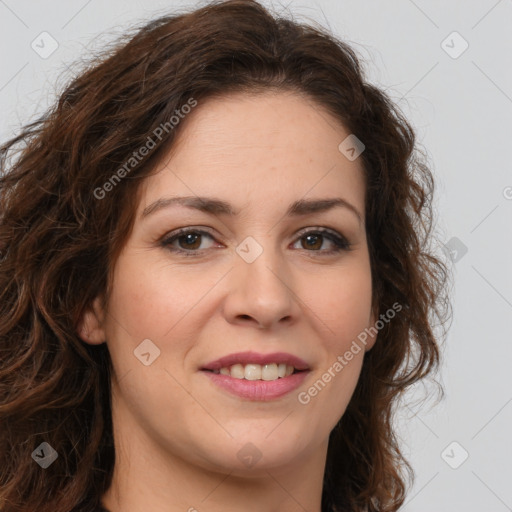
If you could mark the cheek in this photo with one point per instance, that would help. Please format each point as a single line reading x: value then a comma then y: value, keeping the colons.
x: 342, y: 305
x: 153, y: 298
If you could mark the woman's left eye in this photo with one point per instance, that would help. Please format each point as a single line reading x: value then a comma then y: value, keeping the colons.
x: 312, y: 237
x: 189, y: 241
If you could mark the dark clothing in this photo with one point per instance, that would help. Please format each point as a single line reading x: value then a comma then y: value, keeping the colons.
x: 97, y: 509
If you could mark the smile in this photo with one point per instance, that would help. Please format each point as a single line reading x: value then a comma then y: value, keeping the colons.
x: 268, y: 372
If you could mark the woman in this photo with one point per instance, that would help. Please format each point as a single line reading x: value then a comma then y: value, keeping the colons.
x: 216, y: 278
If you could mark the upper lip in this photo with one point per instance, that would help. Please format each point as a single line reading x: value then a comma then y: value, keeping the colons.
x: 256, y: 358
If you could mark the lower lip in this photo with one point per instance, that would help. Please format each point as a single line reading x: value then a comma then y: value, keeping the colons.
x: 258, y: 390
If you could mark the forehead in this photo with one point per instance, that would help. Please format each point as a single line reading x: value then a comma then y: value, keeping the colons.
x: 250, y: 147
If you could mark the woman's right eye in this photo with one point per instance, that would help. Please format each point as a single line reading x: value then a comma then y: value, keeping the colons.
x: 189, y: 241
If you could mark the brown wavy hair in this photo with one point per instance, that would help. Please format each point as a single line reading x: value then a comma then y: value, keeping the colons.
x: 58, y: 244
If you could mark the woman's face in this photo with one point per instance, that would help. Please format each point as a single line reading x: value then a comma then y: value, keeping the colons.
x: 258, y: 280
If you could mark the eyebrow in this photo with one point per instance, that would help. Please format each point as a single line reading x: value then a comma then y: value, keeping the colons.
x: 218, y: 207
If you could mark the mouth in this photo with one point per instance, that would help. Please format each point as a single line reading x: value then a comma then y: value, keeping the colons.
x: 252, y: 371
x: 255, y: 366
x: 259, y: 377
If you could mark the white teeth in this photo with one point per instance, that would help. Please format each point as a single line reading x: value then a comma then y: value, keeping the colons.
x: 253, y: 371
x: 237, y: 371
x: 271, y: 371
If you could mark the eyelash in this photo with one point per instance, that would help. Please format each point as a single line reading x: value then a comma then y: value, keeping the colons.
x: 339, y: 241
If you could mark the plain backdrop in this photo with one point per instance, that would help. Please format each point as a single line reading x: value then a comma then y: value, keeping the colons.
x: 448, y: 66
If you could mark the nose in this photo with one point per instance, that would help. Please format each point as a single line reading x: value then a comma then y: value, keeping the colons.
x: 261, y: 293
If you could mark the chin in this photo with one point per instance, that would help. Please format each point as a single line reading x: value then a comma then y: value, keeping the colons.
x: 249, y: 453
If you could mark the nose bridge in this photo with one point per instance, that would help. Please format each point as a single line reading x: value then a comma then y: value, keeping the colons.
x: 261, y: 287
x: 261, y: 263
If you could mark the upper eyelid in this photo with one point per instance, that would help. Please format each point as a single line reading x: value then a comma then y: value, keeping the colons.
x: 207, y: 230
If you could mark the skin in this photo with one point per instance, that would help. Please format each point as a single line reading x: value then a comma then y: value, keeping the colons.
x: 177, y: 435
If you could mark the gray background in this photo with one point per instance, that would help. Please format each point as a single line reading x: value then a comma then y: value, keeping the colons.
x: 460, y: 104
